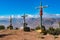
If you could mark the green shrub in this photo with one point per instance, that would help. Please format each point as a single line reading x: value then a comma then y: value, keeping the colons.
x: 57, y: 31
x: 2, y: 27
x: 53, y: 31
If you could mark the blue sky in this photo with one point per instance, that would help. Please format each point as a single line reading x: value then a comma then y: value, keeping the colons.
x: 19, y: 7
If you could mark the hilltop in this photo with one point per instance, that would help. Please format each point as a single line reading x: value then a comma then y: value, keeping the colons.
x: 21, y: 35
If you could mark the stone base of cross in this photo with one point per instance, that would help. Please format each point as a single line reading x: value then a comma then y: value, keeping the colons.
x: 26, y: 29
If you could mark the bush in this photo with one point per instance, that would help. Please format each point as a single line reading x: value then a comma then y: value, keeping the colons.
x: 10, y: 27
x: 38, y: 27
x: 2, y: 27
x: 53, y: 31
x: 57, y: 31
x: 43, y: 29
x: 16, y: 28
x: 32, y: 29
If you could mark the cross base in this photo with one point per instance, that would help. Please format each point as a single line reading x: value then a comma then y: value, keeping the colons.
x: 26, y: 29
x: 10, y: 27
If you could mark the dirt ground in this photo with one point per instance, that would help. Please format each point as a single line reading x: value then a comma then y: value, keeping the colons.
x: 21, y: 35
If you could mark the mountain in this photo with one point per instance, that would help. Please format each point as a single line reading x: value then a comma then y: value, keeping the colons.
x: 32, y: 22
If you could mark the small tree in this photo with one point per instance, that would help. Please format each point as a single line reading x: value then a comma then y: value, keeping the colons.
x: 2, y: 27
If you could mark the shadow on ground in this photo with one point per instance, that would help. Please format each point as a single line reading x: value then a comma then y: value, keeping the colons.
x: 3, y: 35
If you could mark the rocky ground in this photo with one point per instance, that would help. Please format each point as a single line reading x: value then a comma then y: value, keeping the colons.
x: 21, y: 35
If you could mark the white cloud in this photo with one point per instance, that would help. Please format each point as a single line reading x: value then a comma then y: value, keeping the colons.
x: 2, y: 16
x: 32, y: 16
x: 45, y: 15
x: 29, y: 16
x: 18, y: 16
x: 58, y: 15
x: 12, y: 16
x: 51, y: 15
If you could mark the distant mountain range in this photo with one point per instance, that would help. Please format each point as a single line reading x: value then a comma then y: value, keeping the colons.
x: 32, y: 22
